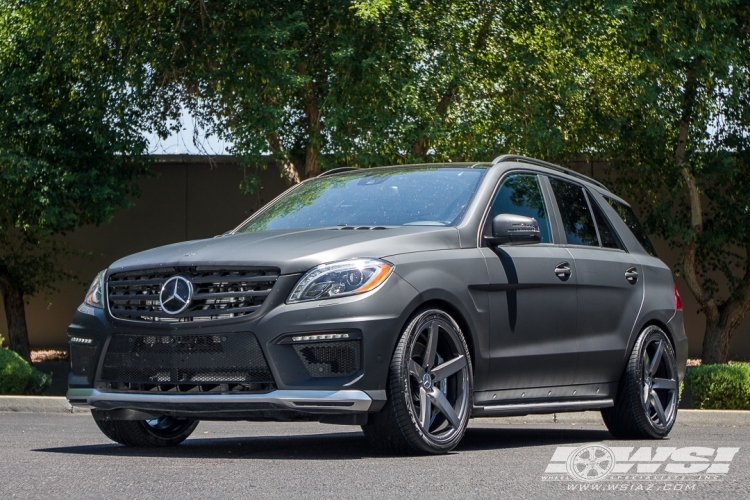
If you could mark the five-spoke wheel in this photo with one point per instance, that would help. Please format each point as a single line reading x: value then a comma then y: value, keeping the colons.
x: 646, y: 403
x: 430, y: 390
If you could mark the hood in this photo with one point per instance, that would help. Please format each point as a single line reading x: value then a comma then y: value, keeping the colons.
x: 293, y: 250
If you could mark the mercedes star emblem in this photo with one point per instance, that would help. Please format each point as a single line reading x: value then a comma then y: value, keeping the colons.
x: 175, y: 295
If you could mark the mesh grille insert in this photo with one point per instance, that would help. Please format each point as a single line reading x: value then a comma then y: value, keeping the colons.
x: 186, y: 363
x: 82, y: 359
x: 217, y: 293
x: 330, y: 359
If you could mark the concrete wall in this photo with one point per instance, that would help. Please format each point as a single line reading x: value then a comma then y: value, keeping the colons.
x: 194, y: 198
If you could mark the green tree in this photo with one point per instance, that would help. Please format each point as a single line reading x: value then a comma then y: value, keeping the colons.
x: 672, y: 115
x: 363, y: 83
x: 70, y: 139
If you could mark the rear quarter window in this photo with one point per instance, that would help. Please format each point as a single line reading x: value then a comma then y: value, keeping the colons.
x: 629, y: 218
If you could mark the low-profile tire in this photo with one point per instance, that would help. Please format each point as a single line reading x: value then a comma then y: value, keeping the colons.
x: 646, y: 402
x: 159, y: 432
x: 429, y: 391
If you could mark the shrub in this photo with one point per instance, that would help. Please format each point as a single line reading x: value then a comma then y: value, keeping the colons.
x: 720, y: 387
x: 19, y: 377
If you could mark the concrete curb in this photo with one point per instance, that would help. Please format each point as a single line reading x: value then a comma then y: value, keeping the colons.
x: 38, y: 404
x: 686, y: 418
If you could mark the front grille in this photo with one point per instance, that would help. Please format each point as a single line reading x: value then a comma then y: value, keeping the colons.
x: 217, y: 293
x: 82, y: 359
x: 230, y: 362
x: 330, y: 359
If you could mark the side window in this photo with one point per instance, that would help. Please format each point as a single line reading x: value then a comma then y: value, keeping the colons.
x: 574, y: 210
x: 606, y: 233
x: 520, y: 194
x: 628, y: 217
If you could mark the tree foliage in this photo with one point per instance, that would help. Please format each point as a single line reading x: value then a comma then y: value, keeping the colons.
x: 70, y: 140
x: 658, y: 88
x: 367, y: 82
x: 673, y: 117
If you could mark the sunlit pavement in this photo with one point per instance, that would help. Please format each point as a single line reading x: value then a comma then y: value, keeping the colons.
x: 65, y: 456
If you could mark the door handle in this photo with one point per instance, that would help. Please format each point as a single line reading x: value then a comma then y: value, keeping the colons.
x: 631, y: 275
x: 562, y: 271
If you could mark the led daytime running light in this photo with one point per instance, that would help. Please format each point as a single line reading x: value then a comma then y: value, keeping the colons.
x: 80, y: 340
x: 327, y: 336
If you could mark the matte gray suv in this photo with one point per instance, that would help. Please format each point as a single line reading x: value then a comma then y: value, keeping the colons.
x: 403, y: 299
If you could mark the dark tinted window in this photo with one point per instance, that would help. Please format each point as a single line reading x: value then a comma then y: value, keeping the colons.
x: 576, y: 217
x: 606, y: 233
x: 628, y: 217
x: 429, y: 196
x: 520, y: 195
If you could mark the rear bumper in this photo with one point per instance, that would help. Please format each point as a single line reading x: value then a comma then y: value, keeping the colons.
x: 300, y: 401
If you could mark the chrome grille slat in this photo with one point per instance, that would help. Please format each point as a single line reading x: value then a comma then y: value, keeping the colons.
x: 219, y: 293
x: 230, y: 279
x: 134, y: 296
x: 190, y: 314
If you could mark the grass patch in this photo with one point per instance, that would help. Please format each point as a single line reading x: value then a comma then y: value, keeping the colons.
x: 720, y: 386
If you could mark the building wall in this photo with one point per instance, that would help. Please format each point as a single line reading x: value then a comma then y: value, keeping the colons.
x: 193, y: 198
x: 189, y: 198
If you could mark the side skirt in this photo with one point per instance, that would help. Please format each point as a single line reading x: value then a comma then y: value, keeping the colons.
x: 507, y: 410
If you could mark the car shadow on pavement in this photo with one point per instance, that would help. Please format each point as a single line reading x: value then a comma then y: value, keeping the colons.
x: 331, y: 446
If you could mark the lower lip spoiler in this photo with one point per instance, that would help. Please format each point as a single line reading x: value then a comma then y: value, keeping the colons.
x: 346, y: 401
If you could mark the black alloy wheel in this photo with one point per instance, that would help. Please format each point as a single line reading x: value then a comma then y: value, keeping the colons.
x: 430, y: 390
x: 158, y: 432
x: 646, y: 404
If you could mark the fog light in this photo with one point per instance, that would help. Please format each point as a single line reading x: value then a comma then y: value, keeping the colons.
x: 327, y: 336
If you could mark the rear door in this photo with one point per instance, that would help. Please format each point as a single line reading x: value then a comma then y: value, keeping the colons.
x: 532, y: 297
x: 610, y: 283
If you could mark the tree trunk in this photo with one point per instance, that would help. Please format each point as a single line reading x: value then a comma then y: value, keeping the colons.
x: 716, y: 343
x: 312, y: 112
x: 15, y: 314
x: 723, y: 321
x: 288, y: 171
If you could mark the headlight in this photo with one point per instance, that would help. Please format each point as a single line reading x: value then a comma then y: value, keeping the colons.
x: 95, y: 295
x: 339, y: 279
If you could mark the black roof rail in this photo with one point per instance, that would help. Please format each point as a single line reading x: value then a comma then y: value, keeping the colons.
x: 542, y: 163
x: 337, y: 170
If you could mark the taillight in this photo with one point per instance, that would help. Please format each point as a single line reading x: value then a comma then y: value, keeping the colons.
x: 677, y: 299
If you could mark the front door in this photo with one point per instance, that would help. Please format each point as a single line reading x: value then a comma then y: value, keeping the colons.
x: 532, y: 298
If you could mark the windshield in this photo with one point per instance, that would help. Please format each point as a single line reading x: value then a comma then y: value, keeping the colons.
x: 429, y: 196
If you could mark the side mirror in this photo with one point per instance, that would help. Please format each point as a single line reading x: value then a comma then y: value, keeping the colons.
x: 509, y: 229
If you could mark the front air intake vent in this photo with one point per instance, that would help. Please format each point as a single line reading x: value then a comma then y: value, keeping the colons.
x: 83, y: 360
x: 232, y: 362
x: 330, y: 359
x: 215, y: 293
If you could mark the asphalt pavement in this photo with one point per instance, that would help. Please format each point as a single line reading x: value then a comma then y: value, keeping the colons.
x: 58, y: 455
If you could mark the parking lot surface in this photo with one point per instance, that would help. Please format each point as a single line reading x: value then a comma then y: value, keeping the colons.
x: 65, y: 456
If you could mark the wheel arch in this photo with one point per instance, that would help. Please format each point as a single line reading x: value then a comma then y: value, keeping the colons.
x: 454, y: 313
x: 653, y: 321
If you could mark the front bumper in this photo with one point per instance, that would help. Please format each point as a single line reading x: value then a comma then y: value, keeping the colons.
x: 375, y: 319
